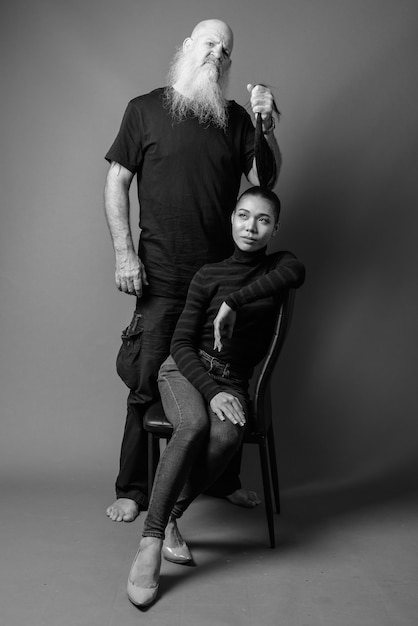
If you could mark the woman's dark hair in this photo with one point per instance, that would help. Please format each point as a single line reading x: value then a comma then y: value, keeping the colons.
x: 266, y: 194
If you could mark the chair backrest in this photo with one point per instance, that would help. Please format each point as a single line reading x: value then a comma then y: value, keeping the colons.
x: 261, y: 383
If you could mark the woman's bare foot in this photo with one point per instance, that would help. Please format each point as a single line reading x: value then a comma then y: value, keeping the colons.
x: 173, y: 536
x: 242, y: 497
x: 123, y: 510
x: 175, y: 549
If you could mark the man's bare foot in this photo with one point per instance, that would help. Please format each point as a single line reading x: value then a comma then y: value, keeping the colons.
x: 145, y: 570
x: 242, y: 497
x: 123, y: 510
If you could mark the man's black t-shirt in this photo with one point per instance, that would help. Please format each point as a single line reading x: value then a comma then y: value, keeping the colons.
x: 188, y: 179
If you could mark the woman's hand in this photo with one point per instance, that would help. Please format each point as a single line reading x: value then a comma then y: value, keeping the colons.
x: 227, y: 406
x: 223, y: 325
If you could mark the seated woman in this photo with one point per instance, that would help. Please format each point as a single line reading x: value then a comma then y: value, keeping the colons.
x: 223, y: 332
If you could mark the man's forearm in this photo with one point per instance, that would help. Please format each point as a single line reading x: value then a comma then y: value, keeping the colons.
x: 130, y: 274
x: 117, y: 210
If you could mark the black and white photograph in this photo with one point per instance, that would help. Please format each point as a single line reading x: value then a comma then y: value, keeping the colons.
x: 209, y: 313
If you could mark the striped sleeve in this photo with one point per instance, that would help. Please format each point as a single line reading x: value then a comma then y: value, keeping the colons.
x: 286, y: 273
x: 187, y: 335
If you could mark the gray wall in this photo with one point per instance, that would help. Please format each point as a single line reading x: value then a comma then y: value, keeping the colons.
x: 345, y: 77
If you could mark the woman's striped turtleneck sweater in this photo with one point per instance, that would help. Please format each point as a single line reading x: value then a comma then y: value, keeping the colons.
x: 251, y: 284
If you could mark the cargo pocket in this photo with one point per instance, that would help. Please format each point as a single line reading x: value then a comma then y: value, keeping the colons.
x: 127, y: 361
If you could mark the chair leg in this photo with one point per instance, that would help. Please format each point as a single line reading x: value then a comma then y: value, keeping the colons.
x: 150, y: 463
x: 267, y: 489
x: 273, y: 468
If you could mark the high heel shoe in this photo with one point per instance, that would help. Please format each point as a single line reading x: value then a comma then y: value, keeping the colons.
x: 177, y: 554
x: 141, y: 596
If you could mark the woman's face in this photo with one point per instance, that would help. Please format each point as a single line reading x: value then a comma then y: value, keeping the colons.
x: 253, y: 223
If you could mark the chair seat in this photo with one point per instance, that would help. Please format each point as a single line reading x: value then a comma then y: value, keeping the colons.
x: 155, y: 420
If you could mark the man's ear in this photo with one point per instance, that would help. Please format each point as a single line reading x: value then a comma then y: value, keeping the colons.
x: 276, y: 229
x: 187, y: 43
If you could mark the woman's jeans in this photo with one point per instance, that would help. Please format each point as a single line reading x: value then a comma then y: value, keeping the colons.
x: 201, y: 445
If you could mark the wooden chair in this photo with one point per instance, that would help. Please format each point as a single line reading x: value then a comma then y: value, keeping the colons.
x: 260, y: 427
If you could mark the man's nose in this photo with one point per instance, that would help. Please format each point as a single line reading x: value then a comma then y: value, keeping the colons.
x: 217, y: 51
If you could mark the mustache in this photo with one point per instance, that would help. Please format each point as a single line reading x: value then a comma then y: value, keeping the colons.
x: 213, y: 61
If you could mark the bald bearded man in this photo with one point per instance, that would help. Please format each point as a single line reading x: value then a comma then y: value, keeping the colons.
x: 188, y: 146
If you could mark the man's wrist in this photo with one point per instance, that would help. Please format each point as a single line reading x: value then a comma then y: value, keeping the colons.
x: 124, y: 254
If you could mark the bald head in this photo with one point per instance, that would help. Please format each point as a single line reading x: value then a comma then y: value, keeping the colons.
x: 216, y: 27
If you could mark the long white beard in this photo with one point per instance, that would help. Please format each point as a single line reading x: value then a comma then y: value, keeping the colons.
x: 203, y: 94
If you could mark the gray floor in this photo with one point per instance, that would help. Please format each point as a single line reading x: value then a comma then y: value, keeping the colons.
x: 340, y: 561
